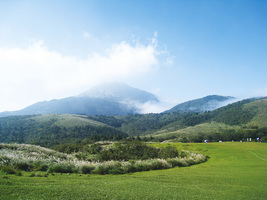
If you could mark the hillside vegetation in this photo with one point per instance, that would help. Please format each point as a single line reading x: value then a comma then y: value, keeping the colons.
x: 50, y: 130
x: 116, y: 158
x: 236, y: 121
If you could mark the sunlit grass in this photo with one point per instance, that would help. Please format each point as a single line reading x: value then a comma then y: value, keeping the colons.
x: 232, y: 172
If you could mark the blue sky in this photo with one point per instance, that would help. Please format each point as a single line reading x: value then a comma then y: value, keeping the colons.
x: 178, y: 50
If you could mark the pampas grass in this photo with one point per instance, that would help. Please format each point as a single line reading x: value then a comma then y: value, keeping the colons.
x: 25, y: 157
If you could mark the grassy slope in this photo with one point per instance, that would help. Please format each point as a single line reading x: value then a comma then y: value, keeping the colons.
x: 201, y: 128
x: 259, y: 107
x: 66, y: 120
x: 234, y: 171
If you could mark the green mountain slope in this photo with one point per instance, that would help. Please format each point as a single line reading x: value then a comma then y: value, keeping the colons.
x: 240, y: 120
x: 260, y: 107
x: 54, y: 129
x: 237, y: 121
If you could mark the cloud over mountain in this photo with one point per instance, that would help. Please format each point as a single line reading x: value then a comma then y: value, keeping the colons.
x: 38, y: 73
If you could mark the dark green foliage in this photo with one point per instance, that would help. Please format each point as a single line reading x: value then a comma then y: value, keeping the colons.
x: 116, y: 170
x: 62, y: 168
x: 134, y: 150
x: 234, y: 114
x: 18, y: 173
x: 102, y: 169
x: 23, y: 165
x: 93, y: 148
x: 87, y: 169
x: 40, y: 166
x: 224, y: 134
x: 108, y: 120
x: 128, y: 150
x: 168, y: 152
x: 8, y: 169
x: 24, y: 129
x: 138, y: 124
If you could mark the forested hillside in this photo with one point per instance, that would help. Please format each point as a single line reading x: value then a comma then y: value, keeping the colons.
x: 237, y: 121
x: 240, y: 120
x: 49, y: 130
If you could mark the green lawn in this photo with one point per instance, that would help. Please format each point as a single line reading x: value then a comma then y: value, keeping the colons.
x: 234, y: 171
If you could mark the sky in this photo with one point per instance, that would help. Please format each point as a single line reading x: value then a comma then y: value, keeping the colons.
x: 178, y: 50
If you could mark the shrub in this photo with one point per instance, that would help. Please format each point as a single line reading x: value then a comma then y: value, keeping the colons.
x: 39, y: 159
x: 128, y: 150
x: 190, y: 160
x: 18, y: 173
x: 62, y: 168
x: 116, y: 170
x: 41, y: 167
x: 87, y: 169
x: 101, y: 169
x: 181, y: 162
x: 168, y: 152
x: 8, y: 169
x: 24, y: 166
x: 173, y: 162
x: 129, y: 168
x: 140, y: 166
x: 184, y: 154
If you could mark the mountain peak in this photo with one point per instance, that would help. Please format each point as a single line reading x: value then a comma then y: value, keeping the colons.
x: 119, y: 92
x: 207, y: 103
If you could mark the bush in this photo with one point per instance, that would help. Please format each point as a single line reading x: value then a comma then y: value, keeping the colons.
x: 116, y: 170
x: 173, y: 162
x: 182, y: 163
x: 155, y: 164
x: 140, y: 166
x: 41, y: 167
x: 129, y: 168
x: 18, y: 173
x: 168, y: 152
x: 101, y: 169
x: 184, y: 154
x: 128, y: 150
x: 24, y: 166
x: 62, y: 168
x: 86, y: 169
x: 8, y: 169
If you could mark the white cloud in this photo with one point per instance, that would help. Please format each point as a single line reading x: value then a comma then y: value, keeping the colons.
x: 35, y: 73
x: 153, y: 107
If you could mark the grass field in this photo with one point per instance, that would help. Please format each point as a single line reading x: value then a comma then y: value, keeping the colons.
x: 234, y: 171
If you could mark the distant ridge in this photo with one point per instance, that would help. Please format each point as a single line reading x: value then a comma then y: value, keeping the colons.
x: 105, y: 99
x: 119, y: 92
x: 207, y: 103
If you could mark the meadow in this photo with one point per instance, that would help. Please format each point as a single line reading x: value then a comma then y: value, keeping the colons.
x: 234, y: 171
